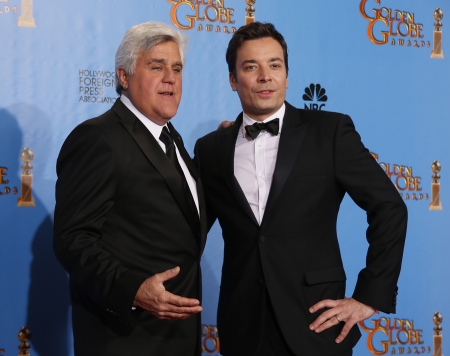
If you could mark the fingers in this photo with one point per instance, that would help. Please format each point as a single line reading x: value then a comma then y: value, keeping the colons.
x: 171, y: 316
x: 327, y: 303
x: 153, y: 298
x: 167, y: 311
x: 326, y: 315
x: 328, y: 324
x: 345, y: 330
x: 347, y: 310
x: 178, y: 301
x: 166, y: 275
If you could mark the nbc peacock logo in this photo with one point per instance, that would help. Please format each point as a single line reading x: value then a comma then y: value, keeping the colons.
x: 315, y: 93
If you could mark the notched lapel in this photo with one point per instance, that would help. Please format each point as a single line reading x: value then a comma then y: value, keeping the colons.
x: 226, y: 148
x: 152, y: 150
x: 293, y: 134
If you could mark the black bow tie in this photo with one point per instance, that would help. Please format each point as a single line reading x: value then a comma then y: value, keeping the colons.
x: 272, y: 126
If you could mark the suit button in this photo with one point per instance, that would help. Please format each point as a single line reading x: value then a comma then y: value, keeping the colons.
x: 262, y: 239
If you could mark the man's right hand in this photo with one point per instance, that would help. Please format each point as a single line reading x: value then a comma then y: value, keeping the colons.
x: 153, y: 298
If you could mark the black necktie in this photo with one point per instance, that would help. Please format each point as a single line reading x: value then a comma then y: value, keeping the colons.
x: 171, y: 152
x: 271, y: 126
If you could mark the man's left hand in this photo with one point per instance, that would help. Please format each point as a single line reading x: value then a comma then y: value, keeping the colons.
x: 346, y: 310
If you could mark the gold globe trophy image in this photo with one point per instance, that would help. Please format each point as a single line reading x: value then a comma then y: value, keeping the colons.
x: 436, y: 52
x: 435, y: 203
x: 26, y: 199
x: 250, y: 16
x: 437, y: 337
x: 24, y: 336
x: 26, y: 14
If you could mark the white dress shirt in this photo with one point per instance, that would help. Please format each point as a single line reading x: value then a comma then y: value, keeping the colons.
x: 254, y: 163
x: 156, y: 130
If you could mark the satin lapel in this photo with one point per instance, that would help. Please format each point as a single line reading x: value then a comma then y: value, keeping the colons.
x: 152, y: 150
x: 292, y: 136
x: 203, y: 218
x: 226, y: 147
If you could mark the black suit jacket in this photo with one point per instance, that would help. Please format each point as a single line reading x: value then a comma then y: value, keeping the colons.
x: 294, y: 254
x: 121, y: 216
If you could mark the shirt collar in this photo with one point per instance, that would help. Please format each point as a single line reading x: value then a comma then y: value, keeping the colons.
x: 247, y: 120
x: 152, y: 126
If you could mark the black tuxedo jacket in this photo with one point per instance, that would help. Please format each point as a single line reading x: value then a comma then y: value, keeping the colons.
x: 122, y: 215
x: 294, y: 254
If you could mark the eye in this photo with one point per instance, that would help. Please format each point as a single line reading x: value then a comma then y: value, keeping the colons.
x: 178, y: 70
x: 157, y: 68
x: 250, y: 67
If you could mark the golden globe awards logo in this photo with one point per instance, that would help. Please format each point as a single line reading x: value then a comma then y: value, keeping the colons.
x: 26, y: 12
x: 406, y: 183
x: 210, y: 342
x: 5, y: 189
x: 399, y: 336
x: 399, y: 26
x: 212, y: 14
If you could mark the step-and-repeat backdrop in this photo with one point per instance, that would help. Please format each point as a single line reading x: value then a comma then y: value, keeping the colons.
x: 370, y: 59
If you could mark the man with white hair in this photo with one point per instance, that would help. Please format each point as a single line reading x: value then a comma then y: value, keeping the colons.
x: 130, y: 222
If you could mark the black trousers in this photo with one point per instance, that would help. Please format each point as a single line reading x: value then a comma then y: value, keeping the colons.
x: 273, y: 342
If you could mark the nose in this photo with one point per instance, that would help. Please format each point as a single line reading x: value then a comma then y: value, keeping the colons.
x: 169, y: 76
x: 264, y: 75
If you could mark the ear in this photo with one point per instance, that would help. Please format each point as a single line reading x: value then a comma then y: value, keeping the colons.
x: 287, y: 85
x: 232, y: 81
x: 123, y: 77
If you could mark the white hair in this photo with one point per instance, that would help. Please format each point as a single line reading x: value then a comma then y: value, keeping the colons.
x: 142, y: 38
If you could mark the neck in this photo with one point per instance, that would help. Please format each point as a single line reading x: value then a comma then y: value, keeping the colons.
x: 157, y: 120
x: 260, y: 117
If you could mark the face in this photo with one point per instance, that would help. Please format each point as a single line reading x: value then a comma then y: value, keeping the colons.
x: 155, y: 86
x: 261, y: 80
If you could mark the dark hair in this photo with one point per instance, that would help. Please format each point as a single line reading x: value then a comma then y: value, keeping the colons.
x: 253, y: 31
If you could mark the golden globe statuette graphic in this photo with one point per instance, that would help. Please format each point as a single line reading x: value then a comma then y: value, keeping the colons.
x: 435, y: 203
x: 26, y: 14
x: 26, y: 198
x: 250, y: 16
x: 24, y: 337
x: 437, y: 337
x: 436, y: 52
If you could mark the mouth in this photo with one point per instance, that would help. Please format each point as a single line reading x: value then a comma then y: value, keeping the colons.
x: 265, y: 92
x: 166, y: 93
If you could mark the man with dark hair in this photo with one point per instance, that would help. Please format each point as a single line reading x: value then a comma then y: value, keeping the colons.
x: 285, y: 172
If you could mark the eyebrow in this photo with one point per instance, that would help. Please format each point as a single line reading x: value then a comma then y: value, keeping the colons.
x: 275, y: 59
x: 162, y: 60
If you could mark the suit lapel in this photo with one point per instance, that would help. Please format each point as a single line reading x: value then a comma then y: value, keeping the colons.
x: 152, y: 150
x: 226, y: 148
x: 292, y: 136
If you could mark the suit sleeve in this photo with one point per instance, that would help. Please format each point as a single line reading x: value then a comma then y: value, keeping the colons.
x: 85, y: 193
x: 371, y: 189
x: 210, y: 211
